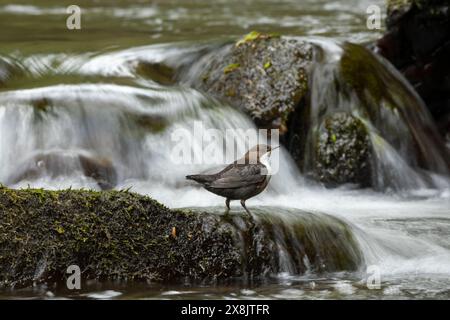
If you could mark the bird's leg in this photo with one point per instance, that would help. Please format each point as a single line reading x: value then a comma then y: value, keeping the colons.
x: 251, y: 221
x: 227, y: 203
x: 243, y: 205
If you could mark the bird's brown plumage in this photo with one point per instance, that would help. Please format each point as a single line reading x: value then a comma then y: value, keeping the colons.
x: 241, y: 180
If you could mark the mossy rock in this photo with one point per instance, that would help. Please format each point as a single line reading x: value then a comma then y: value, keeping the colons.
x: 117, y: 235
x: 343, y: 151
x: 363, y: 74
x: 264, y: 75
x: 109, y: 235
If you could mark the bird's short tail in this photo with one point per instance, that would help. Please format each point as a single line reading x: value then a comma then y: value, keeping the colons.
x: 200, y: 178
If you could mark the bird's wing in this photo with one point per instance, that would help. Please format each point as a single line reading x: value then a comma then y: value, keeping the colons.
x: 239, y: 175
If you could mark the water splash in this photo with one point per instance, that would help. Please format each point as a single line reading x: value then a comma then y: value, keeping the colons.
x: 131, y: 124
x: 407, y: 149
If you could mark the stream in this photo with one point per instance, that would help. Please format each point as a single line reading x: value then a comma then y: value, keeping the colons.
x: 81, y: 94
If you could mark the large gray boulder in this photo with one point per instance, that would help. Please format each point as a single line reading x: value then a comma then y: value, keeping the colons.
x: 264, y: 75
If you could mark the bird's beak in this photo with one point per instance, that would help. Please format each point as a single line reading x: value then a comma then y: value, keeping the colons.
x: 271, y: 149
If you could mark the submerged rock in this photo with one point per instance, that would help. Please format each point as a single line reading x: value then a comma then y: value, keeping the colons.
x: 343, y: 151
x: 158, y: 72
x: 124, y: 236
x: 294, y: 241
x: 8, y: 70
x: 264, y: 75
x: 100, y: 169
x: 56, y: 164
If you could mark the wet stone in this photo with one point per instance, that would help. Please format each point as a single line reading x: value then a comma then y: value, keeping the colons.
x: 117, y: 235
x: 264, y: 75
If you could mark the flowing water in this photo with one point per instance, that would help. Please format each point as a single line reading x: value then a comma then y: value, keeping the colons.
x: 72, y: 98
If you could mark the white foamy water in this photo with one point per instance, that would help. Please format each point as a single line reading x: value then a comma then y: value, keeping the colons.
x: 404, y: 230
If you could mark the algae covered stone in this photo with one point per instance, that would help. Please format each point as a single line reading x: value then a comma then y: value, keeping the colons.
x: 117, y: 235
x: 109, y: 235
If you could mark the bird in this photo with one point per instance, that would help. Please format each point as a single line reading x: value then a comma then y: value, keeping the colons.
x: 242, y: 179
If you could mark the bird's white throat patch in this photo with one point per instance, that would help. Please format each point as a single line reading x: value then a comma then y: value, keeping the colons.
x: 265, y: 160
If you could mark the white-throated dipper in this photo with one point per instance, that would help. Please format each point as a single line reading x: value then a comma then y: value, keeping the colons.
x: 241, y: 180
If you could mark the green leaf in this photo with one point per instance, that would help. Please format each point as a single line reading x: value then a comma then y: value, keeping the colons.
x: 252, y: 36
x: 231, y: 68
x: 249, y: 37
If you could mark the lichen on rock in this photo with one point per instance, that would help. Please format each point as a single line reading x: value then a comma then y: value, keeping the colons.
x: 343, y: 151
x: 265, y: 75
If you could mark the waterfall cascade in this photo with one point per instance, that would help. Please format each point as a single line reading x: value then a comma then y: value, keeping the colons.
x: 111, y: 125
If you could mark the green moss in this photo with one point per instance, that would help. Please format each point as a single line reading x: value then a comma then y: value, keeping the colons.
x: 120, y: 235
x: 360, y: 71
x: 324, y: 241
x: 110, y: 235
x: 59, y: 229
